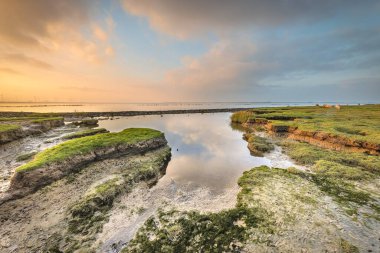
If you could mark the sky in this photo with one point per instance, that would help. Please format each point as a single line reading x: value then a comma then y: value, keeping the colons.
x: 198, y: 50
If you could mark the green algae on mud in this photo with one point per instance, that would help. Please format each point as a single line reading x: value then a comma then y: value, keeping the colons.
x: 342, y: 175
x: 88, y: 144
x: 192, y: 231
x: 264, y: 213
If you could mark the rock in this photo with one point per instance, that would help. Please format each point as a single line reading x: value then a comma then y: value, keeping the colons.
x: 86, y: 122
x: 12, y: 135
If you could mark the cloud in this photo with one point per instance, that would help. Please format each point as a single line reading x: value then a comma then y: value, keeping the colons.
x: 83, y: 89
x: 9, y: 71
x: 28, y: 23
x: 242, y: 67
x: 35, y: 32
x: 186, y: 18
x: 99, y: 33
x: 23, y: 59
x: 225, y: 67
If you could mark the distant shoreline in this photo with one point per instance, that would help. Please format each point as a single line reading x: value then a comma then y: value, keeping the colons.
x: 122, y: 113
x: 136, y: 113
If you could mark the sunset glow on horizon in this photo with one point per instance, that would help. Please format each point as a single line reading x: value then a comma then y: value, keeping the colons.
x: 168, y: 50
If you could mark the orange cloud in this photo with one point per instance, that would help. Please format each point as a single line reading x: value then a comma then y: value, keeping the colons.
x: 219, y: 69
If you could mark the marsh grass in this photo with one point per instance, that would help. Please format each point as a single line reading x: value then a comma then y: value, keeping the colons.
x: 242, y: 116
x: 337, y: 173
x: 357, y: 123
x: 308, y: 154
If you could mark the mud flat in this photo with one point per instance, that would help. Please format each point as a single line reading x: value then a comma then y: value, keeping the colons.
x: 67, y: 214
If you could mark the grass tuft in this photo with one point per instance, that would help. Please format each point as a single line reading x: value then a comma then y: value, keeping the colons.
x: 8, y: 128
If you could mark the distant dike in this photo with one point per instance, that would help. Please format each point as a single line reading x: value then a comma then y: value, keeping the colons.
x: 120, y: 113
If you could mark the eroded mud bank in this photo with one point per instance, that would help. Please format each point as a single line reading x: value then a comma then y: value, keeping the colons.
x: 68, y: 214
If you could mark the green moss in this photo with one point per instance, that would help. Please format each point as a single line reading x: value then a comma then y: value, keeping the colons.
x: 8, y: 128
x: 26, y: 156
x: 87, y: 132
x: 258, y: 145
x: 88, y: 144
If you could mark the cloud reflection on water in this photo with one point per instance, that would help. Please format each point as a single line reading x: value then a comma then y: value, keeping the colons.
x: 210, y: 153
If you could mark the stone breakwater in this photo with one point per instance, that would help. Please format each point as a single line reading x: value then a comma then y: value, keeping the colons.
x: 119, y: 113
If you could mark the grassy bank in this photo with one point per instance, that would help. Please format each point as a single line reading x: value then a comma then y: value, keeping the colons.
x: 356, y: 123
x: 88, y: 144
